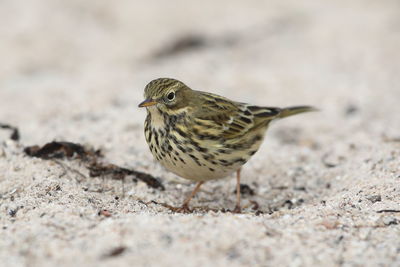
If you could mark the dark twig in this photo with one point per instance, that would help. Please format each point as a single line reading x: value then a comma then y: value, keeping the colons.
x: 60, y: 150
x: 117, y: 251
x: 388, y: 210
x: 14, y: 134
x: 97, y: 169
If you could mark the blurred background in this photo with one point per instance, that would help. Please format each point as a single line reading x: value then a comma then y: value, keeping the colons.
x: 88, y: 61
x: 75, y: 70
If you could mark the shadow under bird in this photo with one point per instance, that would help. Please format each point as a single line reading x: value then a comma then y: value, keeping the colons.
x: 202, y: 136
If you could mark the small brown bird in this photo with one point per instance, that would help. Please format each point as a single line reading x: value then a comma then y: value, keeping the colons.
x: 202, y: 136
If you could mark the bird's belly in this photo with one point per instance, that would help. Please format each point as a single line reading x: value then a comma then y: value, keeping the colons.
x: 191, y: 170
x: 198, y: 164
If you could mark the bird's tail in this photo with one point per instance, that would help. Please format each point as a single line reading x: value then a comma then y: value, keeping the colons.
x: 289, y: 111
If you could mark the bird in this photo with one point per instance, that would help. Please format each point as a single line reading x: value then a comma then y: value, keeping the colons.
x: 202, y: 136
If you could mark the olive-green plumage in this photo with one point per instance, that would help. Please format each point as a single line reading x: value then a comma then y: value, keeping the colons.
x: 202, y: 136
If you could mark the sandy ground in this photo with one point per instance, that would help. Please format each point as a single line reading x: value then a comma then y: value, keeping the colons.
x: 327, y: 184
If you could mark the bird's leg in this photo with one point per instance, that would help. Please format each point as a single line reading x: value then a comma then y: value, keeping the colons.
x: 185, y: 206
x: 237, y: 208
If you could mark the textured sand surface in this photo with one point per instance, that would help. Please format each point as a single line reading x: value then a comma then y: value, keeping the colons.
x: 327, y: 184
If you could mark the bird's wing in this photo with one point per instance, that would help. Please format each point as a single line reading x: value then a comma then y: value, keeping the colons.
x: 216, y: 117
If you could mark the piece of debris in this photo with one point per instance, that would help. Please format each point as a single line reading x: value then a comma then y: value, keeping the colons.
x: 97, y: 169
x: 329, y: 161
x: 13, y: 212
x: 15, y: 132
x: 256, y: 206
x: 374, y: 198
x: 61, y: 150
x: 115, y: 252
x: 90, y: 157
x: 245, y: 190
x: 280, y: 187
x: 300, y: 188
x: 339, y: 239
x: 104, y: 213
x: 390, y: 221
x: 288, y: 203
x: 350, y: 110
x: 388, y: 210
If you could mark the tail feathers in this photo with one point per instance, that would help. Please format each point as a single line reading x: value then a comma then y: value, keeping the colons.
x: 289, y: 111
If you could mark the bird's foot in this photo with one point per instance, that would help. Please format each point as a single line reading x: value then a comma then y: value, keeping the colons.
x: 237, y: 209
x: 183, y: 209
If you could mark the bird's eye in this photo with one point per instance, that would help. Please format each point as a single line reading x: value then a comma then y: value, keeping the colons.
x: 171, y: 96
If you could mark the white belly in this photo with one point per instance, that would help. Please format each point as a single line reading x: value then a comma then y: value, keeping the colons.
x: 195, y: 169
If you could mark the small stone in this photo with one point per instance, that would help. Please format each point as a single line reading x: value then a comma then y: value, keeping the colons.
x: 104, y: 213
x: 245, y: 190
x: 374, y: 198
x: 12, y: 212
x: 390, y: 221
x: 351, y: 109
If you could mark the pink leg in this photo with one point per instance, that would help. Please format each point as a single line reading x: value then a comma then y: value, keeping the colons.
x: 237, y: 208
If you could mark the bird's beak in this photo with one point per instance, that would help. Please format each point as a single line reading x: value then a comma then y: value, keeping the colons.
x: 147, y: 103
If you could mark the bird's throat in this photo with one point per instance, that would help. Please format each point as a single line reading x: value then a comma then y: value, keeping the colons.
x: 157, y: 117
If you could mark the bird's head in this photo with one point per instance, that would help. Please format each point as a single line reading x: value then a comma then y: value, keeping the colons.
x: 166, y: 94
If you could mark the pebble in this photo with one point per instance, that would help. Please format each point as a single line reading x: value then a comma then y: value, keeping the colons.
x: 374, y: 198
x: 390, y: 221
